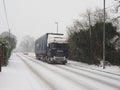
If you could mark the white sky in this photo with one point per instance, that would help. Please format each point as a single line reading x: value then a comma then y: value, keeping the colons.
x: 37, y: 17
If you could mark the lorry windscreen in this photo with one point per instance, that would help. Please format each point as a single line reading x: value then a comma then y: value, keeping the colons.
x: 59, y: 45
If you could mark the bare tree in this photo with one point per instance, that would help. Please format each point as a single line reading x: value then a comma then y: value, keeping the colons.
x: 117, y: 6
x: 85, y: 37
x: 27, y: 44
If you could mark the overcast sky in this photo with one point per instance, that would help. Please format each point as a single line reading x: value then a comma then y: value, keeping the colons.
x: 37, y: 17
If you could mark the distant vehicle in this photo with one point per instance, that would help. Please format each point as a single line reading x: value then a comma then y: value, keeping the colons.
x: 52, y: 48
x: 25, y: 53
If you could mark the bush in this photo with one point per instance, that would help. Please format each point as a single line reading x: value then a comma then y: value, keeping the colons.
x: 6, y: 51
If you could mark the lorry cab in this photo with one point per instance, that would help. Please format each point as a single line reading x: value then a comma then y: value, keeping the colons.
x: 57, y: 52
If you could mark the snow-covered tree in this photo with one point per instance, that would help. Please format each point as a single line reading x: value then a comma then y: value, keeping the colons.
x: 27, y: 44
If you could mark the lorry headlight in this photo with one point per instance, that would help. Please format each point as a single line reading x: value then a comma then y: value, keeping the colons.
x: 54, y: 58
x: 64, y: 58
x: 51, y: 59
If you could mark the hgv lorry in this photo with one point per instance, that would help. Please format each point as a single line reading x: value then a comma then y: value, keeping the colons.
x: 52, y: 48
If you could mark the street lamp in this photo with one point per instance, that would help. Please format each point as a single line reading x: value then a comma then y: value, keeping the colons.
x: 57, y: 26
x: 104, y: 38
x: 9, y: 35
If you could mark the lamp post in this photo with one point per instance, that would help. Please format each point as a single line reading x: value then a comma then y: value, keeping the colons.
x: 9, y: 35
x: 57, y: 26
x: 104, y: 38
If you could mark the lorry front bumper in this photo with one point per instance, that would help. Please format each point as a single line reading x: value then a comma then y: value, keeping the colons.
x: 59, y: 60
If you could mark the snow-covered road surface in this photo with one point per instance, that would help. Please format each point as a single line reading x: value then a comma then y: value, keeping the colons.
x: 31, y: 74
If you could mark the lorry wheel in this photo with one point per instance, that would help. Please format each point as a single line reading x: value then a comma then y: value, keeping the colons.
x: 48, y: 60
x: 63, y: 63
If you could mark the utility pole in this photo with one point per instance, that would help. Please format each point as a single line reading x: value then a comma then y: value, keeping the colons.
x: 104, y: 33
x: 6, y: 18
x: 104, y: 38
x: 57, y: 26
x: 91, y: 54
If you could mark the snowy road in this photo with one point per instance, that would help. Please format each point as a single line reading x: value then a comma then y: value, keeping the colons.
x: 71, y: 77
x: 32, y: 74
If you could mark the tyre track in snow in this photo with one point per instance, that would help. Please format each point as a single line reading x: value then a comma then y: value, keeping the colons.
x: 69, y: 64
x: 97, y: 72
x: 51, y: 87
x: 72, y: 69
x: 107, y: 75
x: 71, y: 79
x: 78, y: 72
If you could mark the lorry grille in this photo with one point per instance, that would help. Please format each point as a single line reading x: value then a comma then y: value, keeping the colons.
x: 59, y: 58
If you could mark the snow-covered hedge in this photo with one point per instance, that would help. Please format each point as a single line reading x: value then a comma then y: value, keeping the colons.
x: 6, y: 51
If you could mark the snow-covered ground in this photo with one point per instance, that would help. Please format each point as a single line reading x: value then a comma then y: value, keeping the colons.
x: 26, y: 73
x: 109, y: 69
x: 16, y: 76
